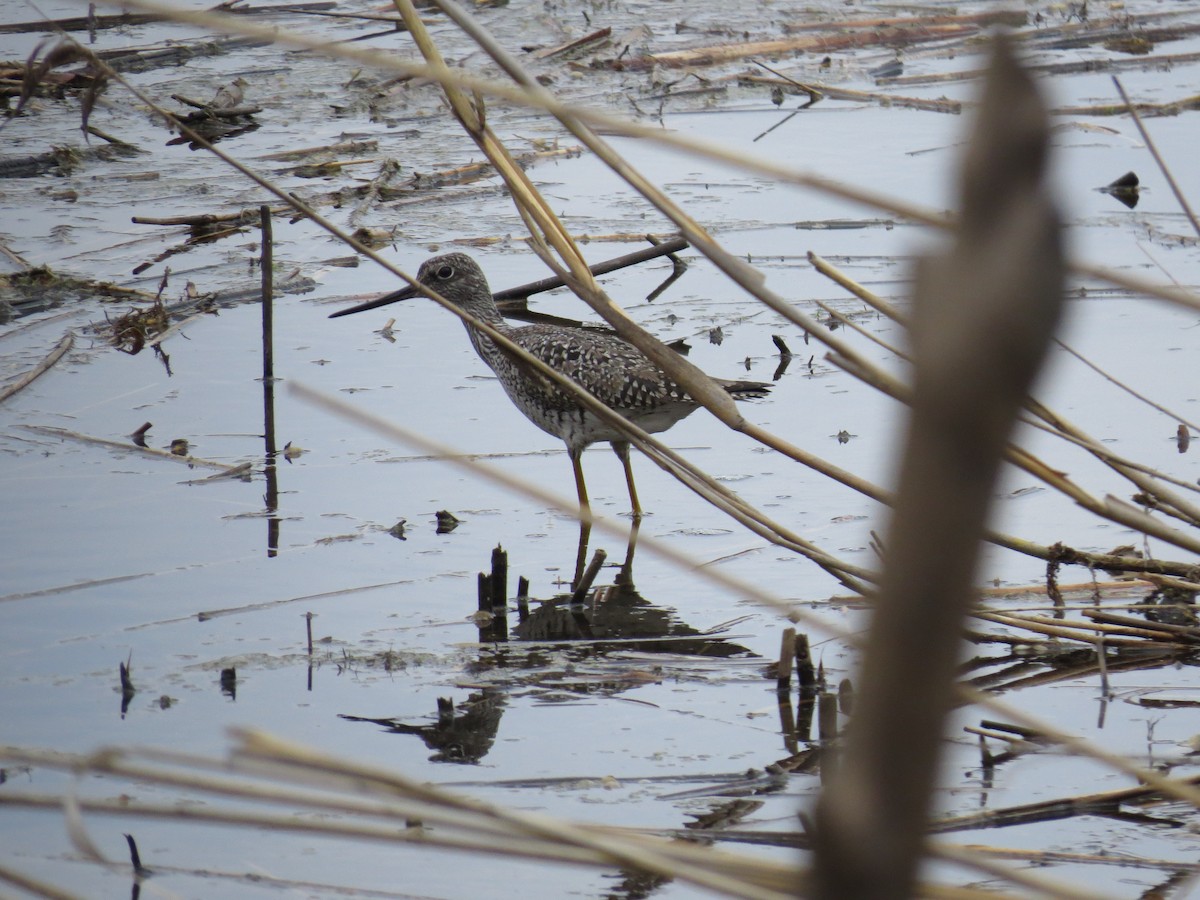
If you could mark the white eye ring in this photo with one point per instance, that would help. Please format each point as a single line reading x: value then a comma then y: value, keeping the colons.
x: 444, y: 272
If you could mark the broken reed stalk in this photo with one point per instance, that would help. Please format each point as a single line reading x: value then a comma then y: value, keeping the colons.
x: 499, y: 578
x: 818, y: 45
x: 1034, y: 857
x: 805, y: 671
x: 1049, y: 810
x: 579, y: 595
x: 367, y: 803
x: 1029, y: 880
x: 757, y: 879
x: 1180, y: 789
x: 663, y: 248
x: 523, y: 291
x: 819, y: 90
x: 787, y: 656
x: 1083, y: 632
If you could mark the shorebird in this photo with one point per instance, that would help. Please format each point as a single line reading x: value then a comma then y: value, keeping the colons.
x: 613, y: 371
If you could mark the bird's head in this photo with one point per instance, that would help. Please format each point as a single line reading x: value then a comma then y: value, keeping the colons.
x: 455, y: 276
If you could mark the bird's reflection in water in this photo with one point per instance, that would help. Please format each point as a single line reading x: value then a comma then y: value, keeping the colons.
x: 462, y: 734
x: 583, y: 625
x: 618, y: 612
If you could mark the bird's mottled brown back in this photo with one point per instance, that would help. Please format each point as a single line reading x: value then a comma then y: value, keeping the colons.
x: 609, y: 368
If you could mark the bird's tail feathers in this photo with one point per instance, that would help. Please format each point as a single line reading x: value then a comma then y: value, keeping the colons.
x: 745, y: 390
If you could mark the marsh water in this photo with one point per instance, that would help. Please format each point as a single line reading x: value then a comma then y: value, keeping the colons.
x: 204, y: 586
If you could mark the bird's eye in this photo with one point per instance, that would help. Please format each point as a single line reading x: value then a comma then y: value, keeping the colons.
x: 444, y: 272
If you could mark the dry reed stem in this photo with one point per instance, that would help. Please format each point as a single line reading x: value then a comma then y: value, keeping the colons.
x: 610, y: 847
x: 848, y: 322
x: 1107, y: 507
x: 1084, y: 632
x: 1040, y: 810
x: 34, y: 885
x: 1047, y: 857
x: 724, y: 53
x: 820, y: 89
x: 1113, y: 460
x: 1180, y: 789
x: 47, y: 363
x: 1162, y: 61
x: 1026, y: 879
x: 1134, y: 473
x: 361, y: 792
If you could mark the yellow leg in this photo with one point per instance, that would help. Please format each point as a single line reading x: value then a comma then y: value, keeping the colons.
x: 585, y: 534
x: 621, y: 448
x: 585, y: 526
x: 580, y: 487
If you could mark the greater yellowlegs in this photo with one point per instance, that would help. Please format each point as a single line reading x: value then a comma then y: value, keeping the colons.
x: 612, y: 370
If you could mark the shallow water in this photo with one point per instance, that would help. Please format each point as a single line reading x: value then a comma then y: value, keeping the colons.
x: 110, y: 556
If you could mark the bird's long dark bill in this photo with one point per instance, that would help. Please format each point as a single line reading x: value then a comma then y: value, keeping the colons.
x: 404, y: 293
